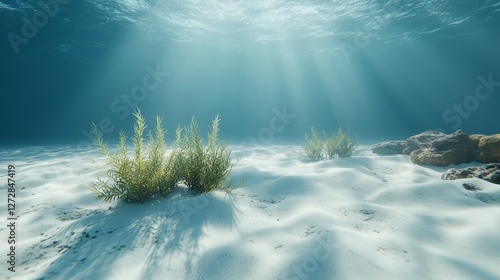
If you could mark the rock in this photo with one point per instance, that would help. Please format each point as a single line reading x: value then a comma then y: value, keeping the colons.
x: 476, y: 138
x: 457, y: 140
x: 389, y: 147
x: 437, y: 148
x: 422, y: 140
x: 449, y: 149
x: 490, y: 173
x: 437, y: 158
x: 471, y: 187
x: 453, y: 174
x: 489, y: 149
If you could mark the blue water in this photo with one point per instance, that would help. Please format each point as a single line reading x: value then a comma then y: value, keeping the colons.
x: 270, y: 69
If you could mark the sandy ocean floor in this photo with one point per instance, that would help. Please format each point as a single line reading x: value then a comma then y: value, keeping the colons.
x: 365, y: 217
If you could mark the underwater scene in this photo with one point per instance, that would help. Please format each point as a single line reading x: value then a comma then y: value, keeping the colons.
x: 265, y: 139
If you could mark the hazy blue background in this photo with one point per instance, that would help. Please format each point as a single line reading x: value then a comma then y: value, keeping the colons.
x: 386, y: 69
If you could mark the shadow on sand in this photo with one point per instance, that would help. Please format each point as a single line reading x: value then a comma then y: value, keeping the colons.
x: 159, y: 234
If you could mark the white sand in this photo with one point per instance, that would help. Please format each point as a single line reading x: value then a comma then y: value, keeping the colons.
x: 366, y: 217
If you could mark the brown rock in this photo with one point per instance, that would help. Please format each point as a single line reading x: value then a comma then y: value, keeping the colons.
x: 489, y: 149
x: 438, y: 158
x: 490, y: 173
x: 436, y: 148
x: 389, y: 147
x: 456, y: 140
x: 476, y: 138
x: 422, y: 140
x: 449, y: 149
